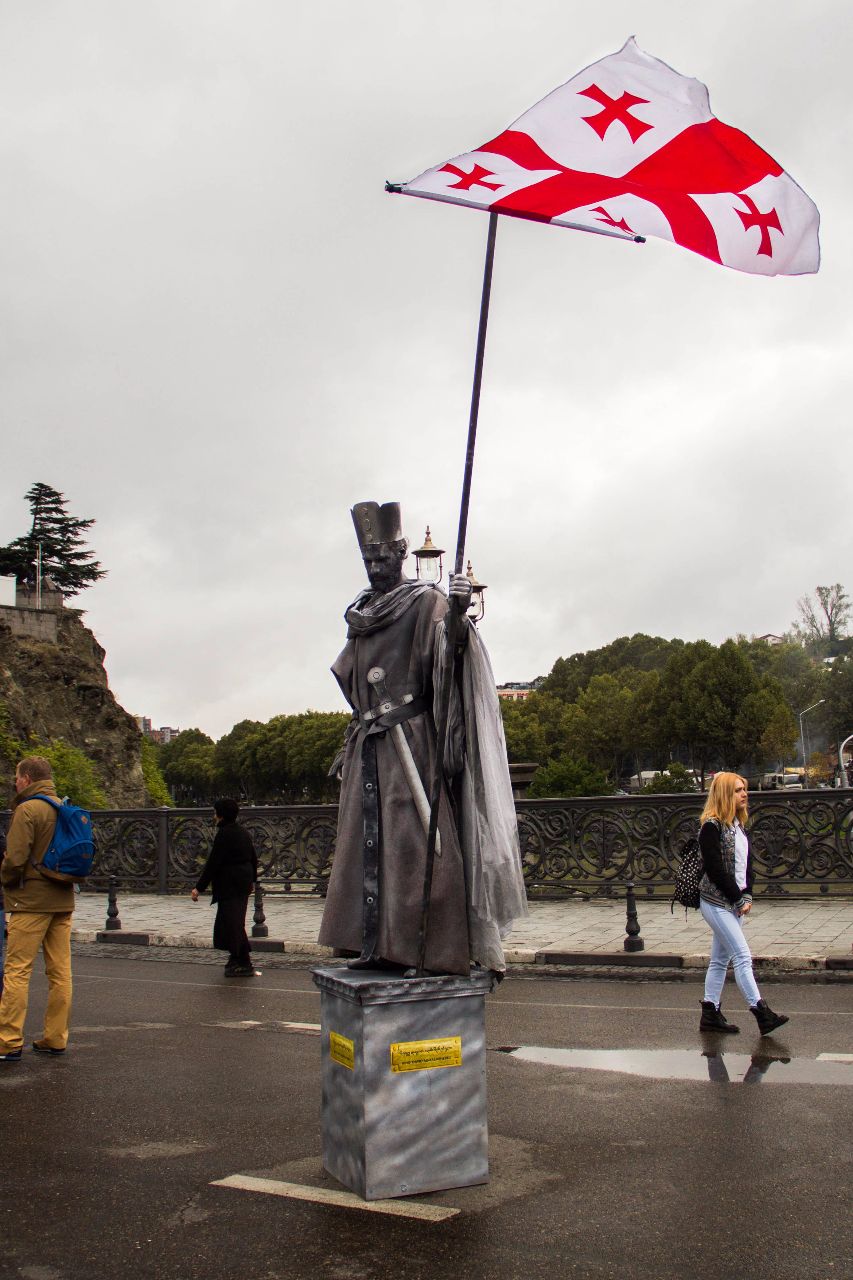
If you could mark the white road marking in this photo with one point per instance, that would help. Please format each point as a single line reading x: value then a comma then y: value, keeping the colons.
x: 835, y: 1057
x: 234, y: 1026
x: 127, y: 1026
x: 249, y: 1024
x: 341, y: 1199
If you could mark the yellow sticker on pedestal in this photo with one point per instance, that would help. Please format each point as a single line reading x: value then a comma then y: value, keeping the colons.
x: 423, y: 1055
x: 342, y: 1050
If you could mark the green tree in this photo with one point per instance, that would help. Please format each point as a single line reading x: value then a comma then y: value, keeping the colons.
x: 187, y: 766
x: 674, y: 699
x: 568, y: 777
x: 602, y: 722
x: 292, y: 754
x: 570, y: 676
x: 524, y: 733
x: 535, y: 729
x: 233, y: 760
x: 799, y: 675
x: 313, y: 740
x: 765, y: 728
x: 778, y: 741
x: 837, y: 712
x: 155, y: 783
x: 672, y: 780
x: 615, y: 717
x: 267, y: 752
x: 821, y: 768
x: 74, y: 774
x: 645, y: 731
x: 64, y: 556
x: 714, y: 694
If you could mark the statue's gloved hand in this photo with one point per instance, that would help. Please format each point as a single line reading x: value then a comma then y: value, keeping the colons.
x: 459, y: 588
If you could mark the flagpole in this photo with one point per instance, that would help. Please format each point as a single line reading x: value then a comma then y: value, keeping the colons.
x: 454, y: 612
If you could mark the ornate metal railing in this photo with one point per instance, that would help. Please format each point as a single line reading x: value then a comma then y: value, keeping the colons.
x: 164, y: 849
x: 802, y: 844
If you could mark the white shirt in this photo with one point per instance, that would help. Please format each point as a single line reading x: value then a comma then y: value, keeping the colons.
x: 741, y: 851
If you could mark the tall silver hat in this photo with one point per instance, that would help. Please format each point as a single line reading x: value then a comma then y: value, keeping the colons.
x: 375, y: 524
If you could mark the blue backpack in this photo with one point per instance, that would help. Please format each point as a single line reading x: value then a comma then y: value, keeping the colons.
x: 71, y: 852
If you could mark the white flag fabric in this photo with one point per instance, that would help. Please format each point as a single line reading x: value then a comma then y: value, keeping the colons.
x: 629, y: 147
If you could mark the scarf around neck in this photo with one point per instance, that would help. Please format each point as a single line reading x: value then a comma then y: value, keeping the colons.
x: 372, y: 610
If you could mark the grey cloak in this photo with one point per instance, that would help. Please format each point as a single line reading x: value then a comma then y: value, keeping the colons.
x: 477, y: 886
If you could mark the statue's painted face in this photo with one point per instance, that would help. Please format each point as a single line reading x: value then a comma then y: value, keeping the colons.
x: 384, y: 567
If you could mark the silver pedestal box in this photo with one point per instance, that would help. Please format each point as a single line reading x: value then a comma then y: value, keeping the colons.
x: 404, y: 1081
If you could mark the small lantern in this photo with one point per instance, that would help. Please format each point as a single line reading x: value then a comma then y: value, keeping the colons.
x: 429, y: 560
x: 477, y: 607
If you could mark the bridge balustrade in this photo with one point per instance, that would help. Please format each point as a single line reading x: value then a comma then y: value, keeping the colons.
x: 802, y: 844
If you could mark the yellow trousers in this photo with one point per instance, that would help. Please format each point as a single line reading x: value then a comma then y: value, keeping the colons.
x: 29, y: 930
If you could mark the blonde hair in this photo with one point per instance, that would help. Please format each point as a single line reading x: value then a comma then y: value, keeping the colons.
x: 721, y: 803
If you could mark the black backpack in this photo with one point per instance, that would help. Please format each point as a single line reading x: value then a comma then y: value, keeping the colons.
x: 689, y: 873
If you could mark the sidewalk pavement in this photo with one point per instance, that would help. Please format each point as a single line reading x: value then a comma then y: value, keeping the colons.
x: 809, y: 935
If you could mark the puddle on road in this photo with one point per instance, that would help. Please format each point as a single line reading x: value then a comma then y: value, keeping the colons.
x: 711, y: 1064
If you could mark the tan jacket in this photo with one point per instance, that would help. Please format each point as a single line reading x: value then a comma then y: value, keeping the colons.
x: 30, y: 832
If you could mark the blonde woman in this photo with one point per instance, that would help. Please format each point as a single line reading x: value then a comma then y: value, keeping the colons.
x: 725, y: 897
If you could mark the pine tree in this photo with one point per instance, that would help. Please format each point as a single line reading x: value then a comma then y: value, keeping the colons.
x: 64, y: 557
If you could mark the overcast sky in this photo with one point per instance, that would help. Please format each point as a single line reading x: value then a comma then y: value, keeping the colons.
x: 218, y: 333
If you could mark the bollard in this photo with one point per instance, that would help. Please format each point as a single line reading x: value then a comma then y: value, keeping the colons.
x: 259, y: 928
x: 112, y: 921
x: 633, y: 941
x: 163, y: 849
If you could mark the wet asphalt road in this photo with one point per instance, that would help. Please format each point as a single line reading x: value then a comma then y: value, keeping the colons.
x: 108, y: 1153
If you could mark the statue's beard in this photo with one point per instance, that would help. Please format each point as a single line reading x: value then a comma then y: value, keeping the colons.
x: 385, y: 580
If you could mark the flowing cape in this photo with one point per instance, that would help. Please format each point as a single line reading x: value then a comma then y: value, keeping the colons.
x: 491, y: 854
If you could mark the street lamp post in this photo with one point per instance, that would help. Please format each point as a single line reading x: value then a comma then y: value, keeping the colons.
x: 802, y: 739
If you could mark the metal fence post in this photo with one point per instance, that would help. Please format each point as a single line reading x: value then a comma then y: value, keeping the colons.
x: 112, y: 921
x: 633, y: 941
x: 259, y: 928
x: 163, y: 849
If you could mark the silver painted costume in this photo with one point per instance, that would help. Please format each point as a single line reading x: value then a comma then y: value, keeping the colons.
x: 477, y: 883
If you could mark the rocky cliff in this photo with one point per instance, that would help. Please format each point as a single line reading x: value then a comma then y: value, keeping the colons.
x: 60, y: 690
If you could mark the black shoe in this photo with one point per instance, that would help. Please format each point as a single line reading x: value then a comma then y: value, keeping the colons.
x: 242, y: 971
x: 11, y: 1055
x: 39, y: 1046
x: 767, y: 1020
x: 712, y: 1020
x: 365, y: 962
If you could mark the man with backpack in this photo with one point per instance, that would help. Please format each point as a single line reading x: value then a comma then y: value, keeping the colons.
x: 2, y: 915
x: 39, y: 910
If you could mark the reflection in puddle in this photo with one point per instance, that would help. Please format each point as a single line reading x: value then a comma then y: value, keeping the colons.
x: 709, y: 1063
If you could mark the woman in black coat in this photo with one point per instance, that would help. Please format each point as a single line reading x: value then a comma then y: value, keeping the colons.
x: 231, y: 870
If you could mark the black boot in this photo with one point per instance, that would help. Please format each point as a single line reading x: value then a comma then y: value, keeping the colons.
x: 712, y: 1019
x: 767, y: 1020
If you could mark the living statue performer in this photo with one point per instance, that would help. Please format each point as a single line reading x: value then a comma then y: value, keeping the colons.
x: 389, y: 671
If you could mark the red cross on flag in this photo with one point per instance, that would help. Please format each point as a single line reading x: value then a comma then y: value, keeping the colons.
x: 629, y: 147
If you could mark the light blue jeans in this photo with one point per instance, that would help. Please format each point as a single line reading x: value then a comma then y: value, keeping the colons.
x: 729, y: 944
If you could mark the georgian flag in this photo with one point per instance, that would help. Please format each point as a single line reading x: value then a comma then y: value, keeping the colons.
x: 630, y: 147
